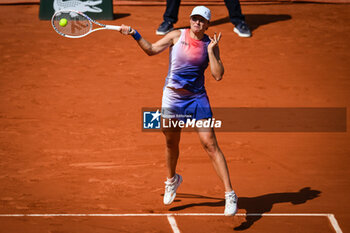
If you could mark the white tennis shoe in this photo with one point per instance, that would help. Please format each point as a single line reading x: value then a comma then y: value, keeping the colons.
x: 231, y: 200
x: 170, y: 189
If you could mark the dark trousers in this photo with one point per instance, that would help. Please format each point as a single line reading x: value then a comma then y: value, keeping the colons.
x: 233, y: 7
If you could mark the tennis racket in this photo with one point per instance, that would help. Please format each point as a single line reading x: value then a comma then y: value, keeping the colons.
x: 75, y: 24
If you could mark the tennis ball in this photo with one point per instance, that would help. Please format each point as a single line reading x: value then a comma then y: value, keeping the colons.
x: 63, y: 22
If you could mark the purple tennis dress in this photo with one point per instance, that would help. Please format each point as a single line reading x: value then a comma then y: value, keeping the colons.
x: 184, y: 94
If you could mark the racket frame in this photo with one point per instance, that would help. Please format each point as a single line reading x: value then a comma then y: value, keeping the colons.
x: 91, y: 21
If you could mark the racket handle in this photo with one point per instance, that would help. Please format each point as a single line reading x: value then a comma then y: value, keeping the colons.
x: 112, y: 27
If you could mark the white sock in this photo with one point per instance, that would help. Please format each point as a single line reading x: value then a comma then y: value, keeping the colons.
x: 229, y: 193
x: 172, y: 179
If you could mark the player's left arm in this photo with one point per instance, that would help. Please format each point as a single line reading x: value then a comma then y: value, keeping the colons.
x: 216, y: 66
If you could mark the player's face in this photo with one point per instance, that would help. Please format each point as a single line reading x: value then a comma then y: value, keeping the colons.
x: 199, y: 23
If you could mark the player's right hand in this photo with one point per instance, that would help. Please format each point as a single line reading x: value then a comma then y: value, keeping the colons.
x: 126, y: 30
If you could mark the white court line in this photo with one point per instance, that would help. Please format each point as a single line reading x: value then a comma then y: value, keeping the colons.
x: 173, y: 224
x: 334, y: 223
x: 172, y: 221
x: 167, y: 214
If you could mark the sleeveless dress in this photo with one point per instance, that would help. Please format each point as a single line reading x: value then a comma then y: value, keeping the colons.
x: 184, y: 94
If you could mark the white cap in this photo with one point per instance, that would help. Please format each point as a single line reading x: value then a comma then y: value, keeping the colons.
x: 202, y: 11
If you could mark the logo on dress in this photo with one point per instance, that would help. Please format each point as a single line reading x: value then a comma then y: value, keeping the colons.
x: 184, y: 43
x: 151, y: 120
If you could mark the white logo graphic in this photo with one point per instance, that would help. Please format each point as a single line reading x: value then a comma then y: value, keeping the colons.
x: 82, y: 6
x: 151, y: 120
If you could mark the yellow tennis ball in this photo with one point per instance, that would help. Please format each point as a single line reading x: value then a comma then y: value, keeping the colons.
x: 63, y: 22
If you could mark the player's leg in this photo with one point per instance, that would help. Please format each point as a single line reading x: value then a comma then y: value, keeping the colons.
x: 172, y: 139
x: 210, y: 145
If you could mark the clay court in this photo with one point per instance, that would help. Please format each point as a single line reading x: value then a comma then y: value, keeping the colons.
x: 74, y: 157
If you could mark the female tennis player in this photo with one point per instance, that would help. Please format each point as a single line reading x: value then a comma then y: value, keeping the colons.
x: 184, y: 94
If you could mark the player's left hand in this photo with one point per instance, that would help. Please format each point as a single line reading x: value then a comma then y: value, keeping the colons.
x: 214, y: 41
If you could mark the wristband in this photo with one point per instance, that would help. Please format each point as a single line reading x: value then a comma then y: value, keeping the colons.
x: 137, y: 36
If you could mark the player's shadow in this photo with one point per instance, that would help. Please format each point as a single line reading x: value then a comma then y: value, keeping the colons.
x: 253, y: 205
x: 255, y: 20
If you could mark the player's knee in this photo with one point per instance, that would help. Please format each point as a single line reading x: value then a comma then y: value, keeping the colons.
x: 210, y: 147
x: 172, y: 138
x: 172, y: 143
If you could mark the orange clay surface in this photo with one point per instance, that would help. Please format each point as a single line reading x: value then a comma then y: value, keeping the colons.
x: 70, y: 124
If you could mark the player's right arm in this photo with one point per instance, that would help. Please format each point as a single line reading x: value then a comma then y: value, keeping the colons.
x: 157, y: 47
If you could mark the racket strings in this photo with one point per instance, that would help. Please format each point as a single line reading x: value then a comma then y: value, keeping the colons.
x: 77, y: 25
